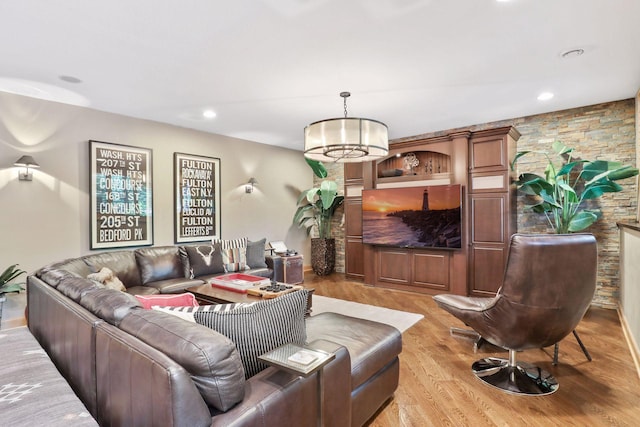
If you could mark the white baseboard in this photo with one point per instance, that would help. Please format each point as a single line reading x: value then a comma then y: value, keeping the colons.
x: 631, y: 342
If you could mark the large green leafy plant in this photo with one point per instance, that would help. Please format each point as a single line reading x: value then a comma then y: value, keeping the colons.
x: 317, y: 205
x: 8, y: 275
x: 567, y: 184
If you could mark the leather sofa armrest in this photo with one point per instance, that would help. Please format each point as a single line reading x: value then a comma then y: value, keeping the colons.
x: 276, y: 263
x: 283, y: 398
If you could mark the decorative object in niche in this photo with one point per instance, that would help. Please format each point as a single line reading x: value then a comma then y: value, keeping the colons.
x: 410, y: 162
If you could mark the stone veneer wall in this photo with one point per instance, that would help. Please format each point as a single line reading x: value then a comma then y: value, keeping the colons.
x: 336, y: 172
x: 604, y: 131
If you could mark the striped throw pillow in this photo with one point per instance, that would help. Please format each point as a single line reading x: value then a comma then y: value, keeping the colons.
x: 259, y: 327
x: 186, y: 312
x: 234, y: 254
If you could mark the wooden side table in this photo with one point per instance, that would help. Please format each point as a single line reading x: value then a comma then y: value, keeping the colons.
x: 292, y: 269
x: 284, y: 357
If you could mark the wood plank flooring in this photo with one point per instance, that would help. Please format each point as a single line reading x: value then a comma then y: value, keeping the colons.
x: 437, y: 387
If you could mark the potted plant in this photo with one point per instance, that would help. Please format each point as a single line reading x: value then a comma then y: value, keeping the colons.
x: 316, y: 208
x: 565, y: 187
x: 5, y: 287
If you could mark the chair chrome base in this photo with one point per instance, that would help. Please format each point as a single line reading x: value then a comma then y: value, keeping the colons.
x: 521, y: 378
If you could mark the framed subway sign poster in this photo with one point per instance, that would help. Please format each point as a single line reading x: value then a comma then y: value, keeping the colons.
x: 197, y: 197
x: 121, y: 195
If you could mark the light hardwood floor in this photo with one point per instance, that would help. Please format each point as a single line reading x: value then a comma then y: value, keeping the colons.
x: 437, y: 387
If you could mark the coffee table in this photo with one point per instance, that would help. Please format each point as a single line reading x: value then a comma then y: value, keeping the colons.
x: 207, y: 294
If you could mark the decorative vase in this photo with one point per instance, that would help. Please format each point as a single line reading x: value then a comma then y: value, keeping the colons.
x: 323, y: 256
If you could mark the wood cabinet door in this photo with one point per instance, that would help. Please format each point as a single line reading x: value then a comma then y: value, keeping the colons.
x: 488, y: 269
x: 353, y: 173
x: 489, y: 154
x: 394, y: 265
x: 489, y: 213
x: 354, y: 258
x: 353, y: 217
x: 489, y: 242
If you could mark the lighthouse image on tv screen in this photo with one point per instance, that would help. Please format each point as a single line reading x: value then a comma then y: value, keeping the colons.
x: 414, y: 217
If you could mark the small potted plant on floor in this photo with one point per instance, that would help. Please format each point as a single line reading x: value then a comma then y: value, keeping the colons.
x: 316, y: 207
x: 7, y: 276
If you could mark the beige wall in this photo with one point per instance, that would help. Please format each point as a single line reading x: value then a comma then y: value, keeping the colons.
x: 630, y: 284
x: 48, y: 219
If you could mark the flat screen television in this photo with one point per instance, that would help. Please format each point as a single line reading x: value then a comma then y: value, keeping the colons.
x: 413, y: 217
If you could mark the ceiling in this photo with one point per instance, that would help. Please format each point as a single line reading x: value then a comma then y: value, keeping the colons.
x: 269, y: 67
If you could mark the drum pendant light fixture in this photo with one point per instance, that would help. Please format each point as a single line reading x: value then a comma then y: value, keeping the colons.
x: 347, y: 139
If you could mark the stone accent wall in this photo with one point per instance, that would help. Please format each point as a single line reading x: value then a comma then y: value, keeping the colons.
x: 604, y: 131
x: 336, y: 173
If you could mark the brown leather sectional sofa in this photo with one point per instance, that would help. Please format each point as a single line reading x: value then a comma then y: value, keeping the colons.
x: 152, y: 270
x: 136, y: 367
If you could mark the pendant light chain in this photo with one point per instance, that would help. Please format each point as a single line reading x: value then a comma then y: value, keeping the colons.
x: 344, y: 96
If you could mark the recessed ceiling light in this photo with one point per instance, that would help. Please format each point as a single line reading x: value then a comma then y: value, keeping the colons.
x: 545, y: 96
x: 573, y: 53
x: 208, y: 114
x: 70, y: 79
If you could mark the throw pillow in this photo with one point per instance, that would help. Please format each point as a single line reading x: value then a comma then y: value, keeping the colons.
x: 259, y: 327
x: 232, y: 243
x: 255, y: 254
x: 186, y: 313
x: 108, y: 279
x: 168, y: 300
x: 234, y: 259
x: 234, y: 254
x: 204, y: 259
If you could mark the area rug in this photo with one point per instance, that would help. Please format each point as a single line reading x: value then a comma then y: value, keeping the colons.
x: 402, y: 320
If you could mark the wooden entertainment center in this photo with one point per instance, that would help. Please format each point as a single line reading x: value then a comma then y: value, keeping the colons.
x: 477, y: 160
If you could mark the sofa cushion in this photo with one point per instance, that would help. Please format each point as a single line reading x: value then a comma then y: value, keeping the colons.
x: 72, y: 265
x: 174, y: 286
x: 259, y: 327
x: 53, y: 277
x: 159, y: 263
x: 142, y: 290
x: 255, y: 254
x: 75, y: 287
x: 122, y: 263
x: 168, y: 300
x: 203, y: 259
x: 108, y: 304
x: 210, y: 358
x: 371, y: 345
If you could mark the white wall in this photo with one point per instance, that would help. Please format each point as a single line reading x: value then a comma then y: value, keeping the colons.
x: 630, y: 282
x: 48, y: 219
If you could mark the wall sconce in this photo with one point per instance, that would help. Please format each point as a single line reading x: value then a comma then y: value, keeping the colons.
x: 26, y: 162
x: 249, y: 187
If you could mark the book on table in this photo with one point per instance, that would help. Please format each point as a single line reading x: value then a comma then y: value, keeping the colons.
x: 238, y: 282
